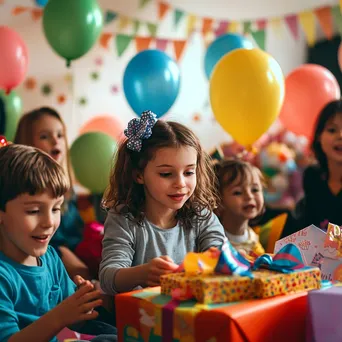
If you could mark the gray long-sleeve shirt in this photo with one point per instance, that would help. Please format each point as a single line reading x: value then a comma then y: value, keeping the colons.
x: 126, y: 244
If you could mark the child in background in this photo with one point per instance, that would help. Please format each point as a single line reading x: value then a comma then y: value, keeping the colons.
x: 44, y: 128
x: 241, y: 190
x: 37, y: 298
x: 161, y: 200
x: 322, y: 183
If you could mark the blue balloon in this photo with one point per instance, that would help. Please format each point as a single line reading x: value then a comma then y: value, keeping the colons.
x: 221, y: 46
x: 151, y: 82
x: 41, y: 3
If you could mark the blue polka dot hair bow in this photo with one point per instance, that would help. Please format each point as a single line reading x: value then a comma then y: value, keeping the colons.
x: 139, y: 129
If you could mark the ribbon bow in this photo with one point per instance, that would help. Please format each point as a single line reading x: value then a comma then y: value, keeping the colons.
x: 139, y: 129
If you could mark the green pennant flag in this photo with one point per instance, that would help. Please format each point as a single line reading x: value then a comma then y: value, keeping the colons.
x: 110, y: 16
x: 152, y: 28
x: 337, y: 18
x: 247, y: 25
x: 260, y: 38
x: 122, y: 41
x: 178, y: 15
x: 136, y: 26
x: 142, y: 3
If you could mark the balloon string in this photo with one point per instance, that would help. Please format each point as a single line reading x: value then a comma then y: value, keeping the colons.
x: 68, y: 63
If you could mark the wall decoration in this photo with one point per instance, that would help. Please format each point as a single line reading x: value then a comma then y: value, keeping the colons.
x: 46, y: 89
x: 95, y: 76
x: 98, y: 61
x: 61, y: 99
x: 30, y: 83
x: 82, y: 101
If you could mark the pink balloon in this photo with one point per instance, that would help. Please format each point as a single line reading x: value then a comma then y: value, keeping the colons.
x: 109, y: 125
x: 13, y: 59
x: 308, y: 89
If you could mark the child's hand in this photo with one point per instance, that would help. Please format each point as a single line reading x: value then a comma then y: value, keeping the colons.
x: 157, y: 267
x: 78, y: 307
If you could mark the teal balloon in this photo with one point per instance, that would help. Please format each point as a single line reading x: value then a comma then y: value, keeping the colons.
x: 91, y: 157
x: 72, y: 26
x: 13, y: 110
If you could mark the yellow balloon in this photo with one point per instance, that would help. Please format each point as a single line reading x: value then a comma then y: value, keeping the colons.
x: 246, y: 93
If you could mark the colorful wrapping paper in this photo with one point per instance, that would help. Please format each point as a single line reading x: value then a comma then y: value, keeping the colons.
x: 146, y: 315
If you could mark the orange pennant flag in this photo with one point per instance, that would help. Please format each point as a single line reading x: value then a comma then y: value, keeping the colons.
x: 142, y: 43
x: 36, y: 13
x: 207, y: 25
x: 178, y: 46
x: 104, y: 39
x: 19, y: 9
x: 162, y: 9
x: 325, y: 20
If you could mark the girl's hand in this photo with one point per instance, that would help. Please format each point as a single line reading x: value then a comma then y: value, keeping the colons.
x: 78, y: 307
x: 157, y: 267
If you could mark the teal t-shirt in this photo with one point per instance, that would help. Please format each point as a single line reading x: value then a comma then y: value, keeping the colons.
x: 28, y: 292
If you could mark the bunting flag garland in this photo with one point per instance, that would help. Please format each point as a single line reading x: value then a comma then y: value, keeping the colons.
x: 163, y: 7
x: 307, y: 20
x: 324, y: 18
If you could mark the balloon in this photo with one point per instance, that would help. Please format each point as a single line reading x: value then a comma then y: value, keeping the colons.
x: 13, y: 110
x: 41, y: 3
x: 13, y: 59
x: 221, y: 46
x: 246, y: 93
x: 339, y: 56
x: 104, y: 124
x: 151, y: 82
x: 72, y: 27
x: 91, y: 156
x: 308, y: 89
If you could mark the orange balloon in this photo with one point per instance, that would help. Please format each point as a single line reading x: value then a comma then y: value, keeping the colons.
x: 109, y: 125
x: 307, y: 90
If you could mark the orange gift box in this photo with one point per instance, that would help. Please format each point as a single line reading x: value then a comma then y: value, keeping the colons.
x: 147, y: 315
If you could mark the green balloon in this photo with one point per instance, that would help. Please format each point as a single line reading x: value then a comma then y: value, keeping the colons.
x: 13, y: 110
x: 91, y: 158
x: 72, y: 26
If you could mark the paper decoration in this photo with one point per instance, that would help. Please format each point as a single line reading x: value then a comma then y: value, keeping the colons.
x: 178, y: 15
x: 196, y: 117
x: 46, y: 89
x: 30, y: 83
x: 207, y: 25
x: 292, y: 22
x: 152, y: 29
x: 110, y: 16
x: 94, y: 76
x: 222, y: 28
x: 163, y: 7
x: 261, y: 24
x: 142, y: 43
x: 136, y: 26
x: 336, y: 14
x: 307, y: 20
x: 104, y: 39
x: 179, y: 46
x: 260, y: 38
x: 61, y: 99
x: 82, y: 101
x: 98, y: 61
x: 143, y: 3
x: 122, y: 41
x: 114, y: 89
x: 161, y: 44
x: 233, y: 27
x: 247, y: 25
x: 191, y: 24
x: 325, y: 20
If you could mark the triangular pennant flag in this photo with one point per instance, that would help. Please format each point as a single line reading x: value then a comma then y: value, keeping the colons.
x: 163, y: 7
x: 191, y: 24
x: 336, y: 14
x: 152, y: 28
x: 36, y: 13
x: 142, y: 43
x: 123, y: 22
x: 292, y: 23
x: 19, y: 9
x: 122, y: 42
x: 136, y: 26
x: 233, y: 26
x: 178, y: 15
x: 247, y: 25
x: 110, y: 16
x: 207, y: 25
x: 222, y: 28
x: 104, y: 39
x: 259, y: 37
x: 161, y: 44
x: 325, y: 20
x: 143, y: 3
x: 307, y: 20
x: 261, y: 24
x: 276, y: 25
x: 178, y: 46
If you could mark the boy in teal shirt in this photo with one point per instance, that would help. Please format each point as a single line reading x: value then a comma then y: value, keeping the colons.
x: 37, y: 297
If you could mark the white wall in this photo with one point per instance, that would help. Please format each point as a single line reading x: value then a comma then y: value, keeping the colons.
x: 46, y: 67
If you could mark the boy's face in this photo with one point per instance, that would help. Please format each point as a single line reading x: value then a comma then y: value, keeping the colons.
x: 28, y: 225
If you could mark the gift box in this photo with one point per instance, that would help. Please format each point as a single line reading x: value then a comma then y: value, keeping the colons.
x: 209, y: 289
x: 147, y: 315
x: 317, y: 248
x: 324, y: 312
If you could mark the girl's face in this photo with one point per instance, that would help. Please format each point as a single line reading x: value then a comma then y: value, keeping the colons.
x: 331, y: 139
x: 49, y: 136
x: 244, y: 201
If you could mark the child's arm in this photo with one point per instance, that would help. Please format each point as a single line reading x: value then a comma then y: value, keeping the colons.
x: 73, y: 309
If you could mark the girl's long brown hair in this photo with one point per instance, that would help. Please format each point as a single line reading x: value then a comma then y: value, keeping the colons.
x: 124, y: 191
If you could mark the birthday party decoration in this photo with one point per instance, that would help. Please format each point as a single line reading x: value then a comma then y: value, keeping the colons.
x: 246, y: 93
x: 3, y: 141
x: 91, y: 157
x: 151, y: 81
x: 308, y: 89
x: 72, y: 27
x: 13, y: 59
x: 221, y: 46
